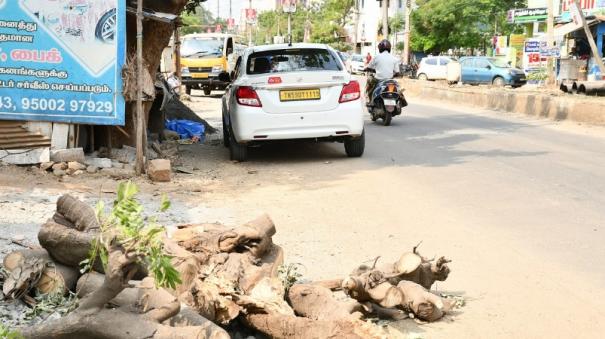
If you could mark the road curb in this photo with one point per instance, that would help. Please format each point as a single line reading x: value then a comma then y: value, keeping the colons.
x: 550, y: 105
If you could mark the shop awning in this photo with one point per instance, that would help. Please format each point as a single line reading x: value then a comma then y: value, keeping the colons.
x: 562, y: 31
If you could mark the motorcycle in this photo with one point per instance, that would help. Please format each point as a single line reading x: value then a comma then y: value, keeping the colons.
x: 387, y: 100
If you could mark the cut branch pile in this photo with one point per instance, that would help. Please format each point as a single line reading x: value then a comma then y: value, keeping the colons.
x: 226, y: 273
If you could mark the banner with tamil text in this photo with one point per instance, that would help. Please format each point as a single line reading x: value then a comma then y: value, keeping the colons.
x: 61, y: 60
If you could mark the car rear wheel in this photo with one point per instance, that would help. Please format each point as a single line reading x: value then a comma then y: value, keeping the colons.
x: 422, y: 77
x: 498, y: 81
x: 237, y: 151
x: 188, y: 90
x: 355, y: 147
x: 225, y: 134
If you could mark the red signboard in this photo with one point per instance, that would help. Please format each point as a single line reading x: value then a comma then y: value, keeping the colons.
x: 250, y: 14
x: 230, y: 23
x: 584, y: 4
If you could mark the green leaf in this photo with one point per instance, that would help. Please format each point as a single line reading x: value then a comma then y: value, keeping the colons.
x: 164, y: 204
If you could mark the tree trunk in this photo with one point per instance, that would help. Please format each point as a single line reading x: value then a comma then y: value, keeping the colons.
x: 66, y: 245
x: 289, y: 327
x: 318, y: 303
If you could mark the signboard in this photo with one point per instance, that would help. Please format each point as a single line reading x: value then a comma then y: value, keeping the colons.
x: 532, y: 58
x: 230, y: 23
x: 589, y: 7
x: 288, y: 6
x: 251, y: 16
x: 61, y: 60
x: 550, y: 52
x: 525, y: 15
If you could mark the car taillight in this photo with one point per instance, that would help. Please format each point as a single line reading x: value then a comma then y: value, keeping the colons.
x: 350, y: 92
x: 247, y: 96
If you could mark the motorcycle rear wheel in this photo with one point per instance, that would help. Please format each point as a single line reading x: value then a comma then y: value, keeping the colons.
x: 386, y: 120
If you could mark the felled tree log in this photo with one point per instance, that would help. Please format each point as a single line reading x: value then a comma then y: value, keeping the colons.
x: 93, y: 319
x: 25, y: 269
x: 425, y: 305
x: 254, y: 237
x: 289, y: 327
x: 55, y: 278
x: 411, y: 267
x: 77, y: 213
x: 318, y: 303
x: 66, y: 245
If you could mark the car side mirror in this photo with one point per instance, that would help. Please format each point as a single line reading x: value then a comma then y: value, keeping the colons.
x: 488, y: 67
x: 224, y: 77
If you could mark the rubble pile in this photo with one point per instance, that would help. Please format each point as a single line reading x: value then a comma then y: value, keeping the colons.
x: 228, y: 275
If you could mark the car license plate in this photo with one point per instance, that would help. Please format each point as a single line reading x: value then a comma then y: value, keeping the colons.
x: 300, y: 95
x: 390, y: 102
x: 199, y: 75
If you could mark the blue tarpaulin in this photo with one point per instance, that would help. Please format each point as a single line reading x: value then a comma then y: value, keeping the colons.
x: 187, y: 129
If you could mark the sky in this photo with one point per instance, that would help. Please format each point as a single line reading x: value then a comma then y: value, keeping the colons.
x: 223, y: 6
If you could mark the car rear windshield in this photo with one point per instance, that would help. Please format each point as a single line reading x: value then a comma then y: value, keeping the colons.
x: 292, y: 60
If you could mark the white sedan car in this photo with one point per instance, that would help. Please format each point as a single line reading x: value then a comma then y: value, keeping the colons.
x: 283, y: 92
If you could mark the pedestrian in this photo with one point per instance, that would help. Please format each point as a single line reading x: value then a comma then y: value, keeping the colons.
x: 368, y: 58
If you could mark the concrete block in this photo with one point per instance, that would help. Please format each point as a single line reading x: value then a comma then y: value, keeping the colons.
x: 99, y: 162
x: 159, y: 170
x: 66, y: 155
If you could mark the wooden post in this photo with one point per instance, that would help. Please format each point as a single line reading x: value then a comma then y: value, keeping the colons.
x: 140, y: 119
x: 551, y: 43
x: 385, y: 19
x: 593, y: 45
x: 408, y: 27
x: 177, y: 50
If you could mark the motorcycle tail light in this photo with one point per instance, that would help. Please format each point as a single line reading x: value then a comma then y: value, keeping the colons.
x: 350, y: 92
x: 247, y: 96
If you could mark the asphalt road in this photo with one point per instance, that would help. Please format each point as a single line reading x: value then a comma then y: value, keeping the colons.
x: 517, y: 203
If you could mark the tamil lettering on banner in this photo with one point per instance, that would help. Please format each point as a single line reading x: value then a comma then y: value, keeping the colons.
x: 61, y: 60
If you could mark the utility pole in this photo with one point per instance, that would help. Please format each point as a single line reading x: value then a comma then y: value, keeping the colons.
x: 407, y: 32
x: 218, y: 10
x: 249, y: 25
x: 550, y: 23
x: 141, y: 137
x: 357, y: 49
x: 385, y: 18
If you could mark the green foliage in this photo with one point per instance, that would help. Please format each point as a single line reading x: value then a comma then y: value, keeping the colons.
x: 51, y: 303
x: 442, y: 24
x: 289, y: 275
x: 8, y: 334
x: 540, y: 75
x: 198, y: 19
x: 136, y: 233
x: 325, y: 21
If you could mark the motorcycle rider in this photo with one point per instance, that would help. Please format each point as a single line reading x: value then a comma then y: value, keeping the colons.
x: 385, y: 65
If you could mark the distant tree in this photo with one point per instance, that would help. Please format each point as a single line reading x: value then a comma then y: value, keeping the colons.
x: 443, y: 24
x: 327, y: 21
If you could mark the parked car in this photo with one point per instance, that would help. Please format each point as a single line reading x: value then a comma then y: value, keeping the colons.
x: 282, y: 92
x: 484, y: 70
x: 433, y: 68
x: 356, y: 64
